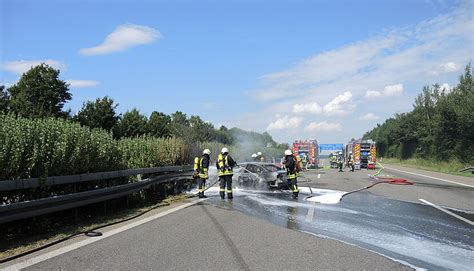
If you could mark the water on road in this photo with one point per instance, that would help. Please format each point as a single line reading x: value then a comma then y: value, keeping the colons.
x: 411, y: 233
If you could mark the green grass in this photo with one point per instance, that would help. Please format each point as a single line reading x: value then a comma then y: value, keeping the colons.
x: 451, y: 167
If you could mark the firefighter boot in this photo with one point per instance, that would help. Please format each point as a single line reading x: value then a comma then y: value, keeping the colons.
x: 222, y: 187
x: 228, y: 182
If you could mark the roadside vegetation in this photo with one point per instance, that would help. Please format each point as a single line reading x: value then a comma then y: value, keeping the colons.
x: 38, y: 138
x: 450, y: 167
x: 438, y: 134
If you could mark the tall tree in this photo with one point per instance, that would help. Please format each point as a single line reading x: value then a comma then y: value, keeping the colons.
x: 159, y: 124
x: 440, y: 126
x: 40, y: 93
x: 179, y: 124
x: 132, y: 124
x: 200, y: 130
x: 98, y: 114
x: 4, y: 100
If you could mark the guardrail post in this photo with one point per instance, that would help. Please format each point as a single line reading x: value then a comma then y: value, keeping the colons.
x: 175, y: 187
x: 76, y: 215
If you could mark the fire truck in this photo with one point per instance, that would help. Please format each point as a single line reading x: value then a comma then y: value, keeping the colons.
x: 363, y: 152
x: 308, y: 151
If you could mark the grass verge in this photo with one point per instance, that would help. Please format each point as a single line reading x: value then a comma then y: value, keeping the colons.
x: 23, y: 243
x: 451, y: 167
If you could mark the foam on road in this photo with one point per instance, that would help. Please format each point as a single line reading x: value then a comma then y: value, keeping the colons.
x: 413, y: 233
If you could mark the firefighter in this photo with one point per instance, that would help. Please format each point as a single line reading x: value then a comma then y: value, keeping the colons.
x: 350, y: 163
x: 260, y: 157
x: 298, y: 163
x: 339, y: 161
x: 201, y: 168
x: 225, y: 165
x: 254, y: 157
x: 290, y: 164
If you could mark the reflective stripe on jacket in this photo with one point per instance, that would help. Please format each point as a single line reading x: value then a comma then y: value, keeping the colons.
x: 223, y: 166
x: 200, y: 168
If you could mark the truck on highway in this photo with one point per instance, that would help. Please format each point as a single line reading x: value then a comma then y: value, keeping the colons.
x: 308, y: 151
x: 363, y: 153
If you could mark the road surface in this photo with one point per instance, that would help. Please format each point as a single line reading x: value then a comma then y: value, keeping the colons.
x: 385, y: 228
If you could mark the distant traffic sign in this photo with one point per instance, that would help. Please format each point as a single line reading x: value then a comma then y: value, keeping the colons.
x: 331, y: 147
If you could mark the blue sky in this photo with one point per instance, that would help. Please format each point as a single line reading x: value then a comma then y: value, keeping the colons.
x: 328, y: 70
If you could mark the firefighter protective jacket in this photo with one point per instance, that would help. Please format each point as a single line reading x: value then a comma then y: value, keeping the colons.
x: 290, y: 165
x: 224, y: 164
x: 201, y: 166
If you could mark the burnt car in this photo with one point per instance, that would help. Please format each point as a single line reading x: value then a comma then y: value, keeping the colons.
x: 262, y: 175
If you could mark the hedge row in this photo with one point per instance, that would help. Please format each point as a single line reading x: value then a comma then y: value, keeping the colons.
x: 51, y: 147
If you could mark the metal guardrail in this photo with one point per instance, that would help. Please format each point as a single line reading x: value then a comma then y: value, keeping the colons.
x: 21, y: 210
x: 471, y: 169
x: 10, y: 185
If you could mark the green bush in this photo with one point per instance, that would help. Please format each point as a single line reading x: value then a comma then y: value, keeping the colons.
x: 50, y: 147
x: 148, y: 151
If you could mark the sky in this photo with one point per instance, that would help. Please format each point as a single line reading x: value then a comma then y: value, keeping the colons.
x: 325, y: 70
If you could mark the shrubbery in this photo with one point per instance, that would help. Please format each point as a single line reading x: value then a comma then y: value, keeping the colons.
x: 153, y: 152
x: 51, y: 147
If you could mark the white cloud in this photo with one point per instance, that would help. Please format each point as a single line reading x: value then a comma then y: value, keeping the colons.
x: 339, y: 105
x: 373, y: 94
x: 450, y: 67
x: 369, y: 116
x: 122, y: 38
x: 446, y: 87
x: 393, y: 90
x: 323, y: 127
x: 21, y: 66
x: 81, y: 83
x: 285, y: 122
x: 396, y: 62
x: 314, y: 108
x: 388, y: 91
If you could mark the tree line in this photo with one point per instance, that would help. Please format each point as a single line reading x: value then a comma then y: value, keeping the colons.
x: 440, y: 126
x: 40, y: 93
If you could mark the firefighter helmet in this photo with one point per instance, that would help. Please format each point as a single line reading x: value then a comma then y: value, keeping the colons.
x: 288, y: 152
x: 206, y: 151
x: 224, y: 150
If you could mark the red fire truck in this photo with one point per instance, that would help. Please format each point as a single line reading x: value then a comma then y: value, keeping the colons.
x: 363, y: 152
x: 308, y: 151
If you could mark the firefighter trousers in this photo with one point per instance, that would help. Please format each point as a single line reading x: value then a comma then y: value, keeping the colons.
x: 293, y: 185
x: 225, y: 186
x: 201, y: 186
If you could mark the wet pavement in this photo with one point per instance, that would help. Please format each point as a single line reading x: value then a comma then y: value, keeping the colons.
x: 415, y: 234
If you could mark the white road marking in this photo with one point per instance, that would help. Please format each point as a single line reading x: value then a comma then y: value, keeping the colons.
x: 91, y: 240
x: 426, y: 176
x: 319, y: 176
x: 448, y: 212
x: 310, y: 215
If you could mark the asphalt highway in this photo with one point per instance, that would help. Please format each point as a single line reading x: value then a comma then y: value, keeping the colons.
x: 386, y: 227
